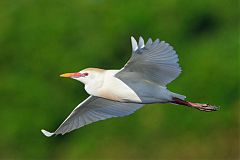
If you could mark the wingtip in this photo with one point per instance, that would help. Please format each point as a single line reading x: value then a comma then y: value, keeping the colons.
x: 46, y: 133
x: 134, y: 44
x: 141, y: 42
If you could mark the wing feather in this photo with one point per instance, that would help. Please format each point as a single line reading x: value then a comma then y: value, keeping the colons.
x: 156, y: 62
x: 91, y: 110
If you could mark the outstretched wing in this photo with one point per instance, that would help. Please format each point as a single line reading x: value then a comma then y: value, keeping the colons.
x: 91, y: 110
x: 156, y: 62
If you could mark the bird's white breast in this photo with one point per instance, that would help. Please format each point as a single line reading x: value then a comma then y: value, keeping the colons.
x: 115, y: 89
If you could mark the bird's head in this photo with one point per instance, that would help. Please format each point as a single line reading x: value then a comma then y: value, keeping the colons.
x: 86, y: 75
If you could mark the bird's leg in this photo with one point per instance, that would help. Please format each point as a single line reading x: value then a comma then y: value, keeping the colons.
x: 202, y: 107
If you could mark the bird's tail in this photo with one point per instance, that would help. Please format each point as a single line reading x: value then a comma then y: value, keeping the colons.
x: 179, y: 96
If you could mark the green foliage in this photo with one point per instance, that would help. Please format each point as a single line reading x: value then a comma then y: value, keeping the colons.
x: 40, y: 39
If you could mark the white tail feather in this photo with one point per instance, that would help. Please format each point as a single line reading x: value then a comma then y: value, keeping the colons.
x: 176, y: 95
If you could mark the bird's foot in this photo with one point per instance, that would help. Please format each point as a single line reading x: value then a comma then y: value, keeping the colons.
x: 201, y: 107
x: 204, y: 107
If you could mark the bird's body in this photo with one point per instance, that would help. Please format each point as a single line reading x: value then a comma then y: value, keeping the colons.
x: 116, y: 93
x: 113, y: 88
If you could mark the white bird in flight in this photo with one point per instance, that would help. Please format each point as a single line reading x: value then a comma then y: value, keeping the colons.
x: 117, y: 93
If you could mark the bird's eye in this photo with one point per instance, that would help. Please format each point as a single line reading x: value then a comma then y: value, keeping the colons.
x: 85, y: 74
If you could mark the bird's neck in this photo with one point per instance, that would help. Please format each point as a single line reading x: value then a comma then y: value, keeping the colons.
x: 94, y: 85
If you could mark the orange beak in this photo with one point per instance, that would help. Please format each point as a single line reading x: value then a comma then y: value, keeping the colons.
x: 70, y: 75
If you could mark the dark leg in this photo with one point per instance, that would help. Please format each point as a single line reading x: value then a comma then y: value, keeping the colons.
x: 202, y: 107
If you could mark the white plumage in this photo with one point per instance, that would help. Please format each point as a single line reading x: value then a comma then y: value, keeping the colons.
x: 117, y: 93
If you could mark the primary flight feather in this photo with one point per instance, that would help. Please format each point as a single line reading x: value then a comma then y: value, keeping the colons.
x: 117, y: 93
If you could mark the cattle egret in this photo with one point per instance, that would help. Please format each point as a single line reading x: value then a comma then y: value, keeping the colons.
x: 117, y: 93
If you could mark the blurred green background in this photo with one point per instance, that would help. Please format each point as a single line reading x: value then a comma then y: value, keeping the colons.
x: 40, y: 39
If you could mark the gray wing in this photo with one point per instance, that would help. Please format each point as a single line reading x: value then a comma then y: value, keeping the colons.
x: 156, y: 62
x: 91, y: 110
